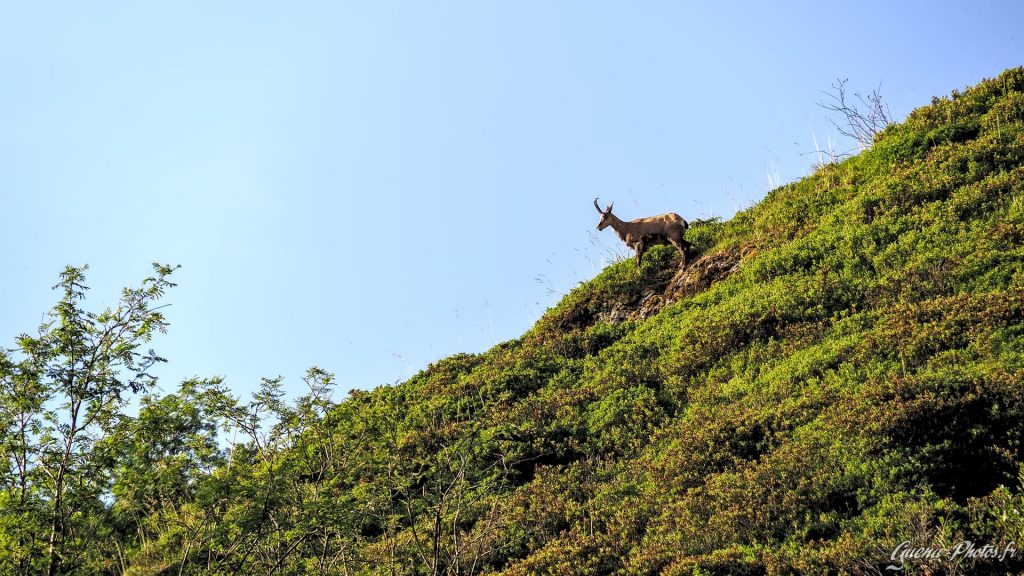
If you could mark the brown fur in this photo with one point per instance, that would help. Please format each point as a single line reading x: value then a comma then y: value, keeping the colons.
x: 642, y: 233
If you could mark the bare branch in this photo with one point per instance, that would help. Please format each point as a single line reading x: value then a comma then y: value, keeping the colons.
x: 863, y: 116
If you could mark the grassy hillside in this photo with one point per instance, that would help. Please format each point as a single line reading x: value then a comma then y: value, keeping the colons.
x: 840, y: 369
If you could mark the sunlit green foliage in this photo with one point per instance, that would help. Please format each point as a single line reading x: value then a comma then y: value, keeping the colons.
x: 838, y: 370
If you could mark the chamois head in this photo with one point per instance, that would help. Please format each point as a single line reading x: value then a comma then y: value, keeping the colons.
x: 606, y: 215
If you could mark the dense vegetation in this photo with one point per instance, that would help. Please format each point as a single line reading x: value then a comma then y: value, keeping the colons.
x: 839, y: 370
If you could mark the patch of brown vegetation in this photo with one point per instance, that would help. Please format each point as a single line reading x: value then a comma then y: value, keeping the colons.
x: 700, y: 275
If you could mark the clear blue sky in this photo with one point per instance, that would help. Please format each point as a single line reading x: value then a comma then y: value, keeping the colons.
x: 371, y: 186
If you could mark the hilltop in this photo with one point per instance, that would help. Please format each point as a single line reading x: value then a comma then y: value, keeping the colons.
x: 840, y: 369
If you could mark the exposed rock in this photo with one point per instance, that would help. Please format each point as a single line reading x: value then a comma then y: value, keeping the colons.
x: 696, y: 277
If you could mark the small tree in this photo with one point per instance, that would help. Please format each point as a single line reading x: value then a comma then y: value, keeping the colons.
x: 864, y: 115
x: 62, y: 394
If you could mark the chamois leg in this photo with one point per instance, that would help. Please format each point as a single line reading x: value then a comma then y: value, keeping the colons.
x: 640, y: 248
x: 683, y: 246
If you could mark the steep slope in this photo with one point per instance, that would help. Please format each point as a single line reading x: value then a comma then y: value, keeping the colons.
x: 841, y: 369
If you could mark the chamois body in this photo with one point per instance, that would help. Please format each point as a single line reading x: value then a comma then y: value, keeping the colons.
x: 642, y: 233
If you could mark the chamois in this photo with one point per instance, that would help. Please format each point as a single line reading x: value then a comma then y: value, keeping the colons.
x: 642, y: 233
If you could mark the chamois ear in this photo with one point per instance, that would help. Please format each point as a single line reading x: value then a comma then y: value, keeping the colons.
x: 610, y: 206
